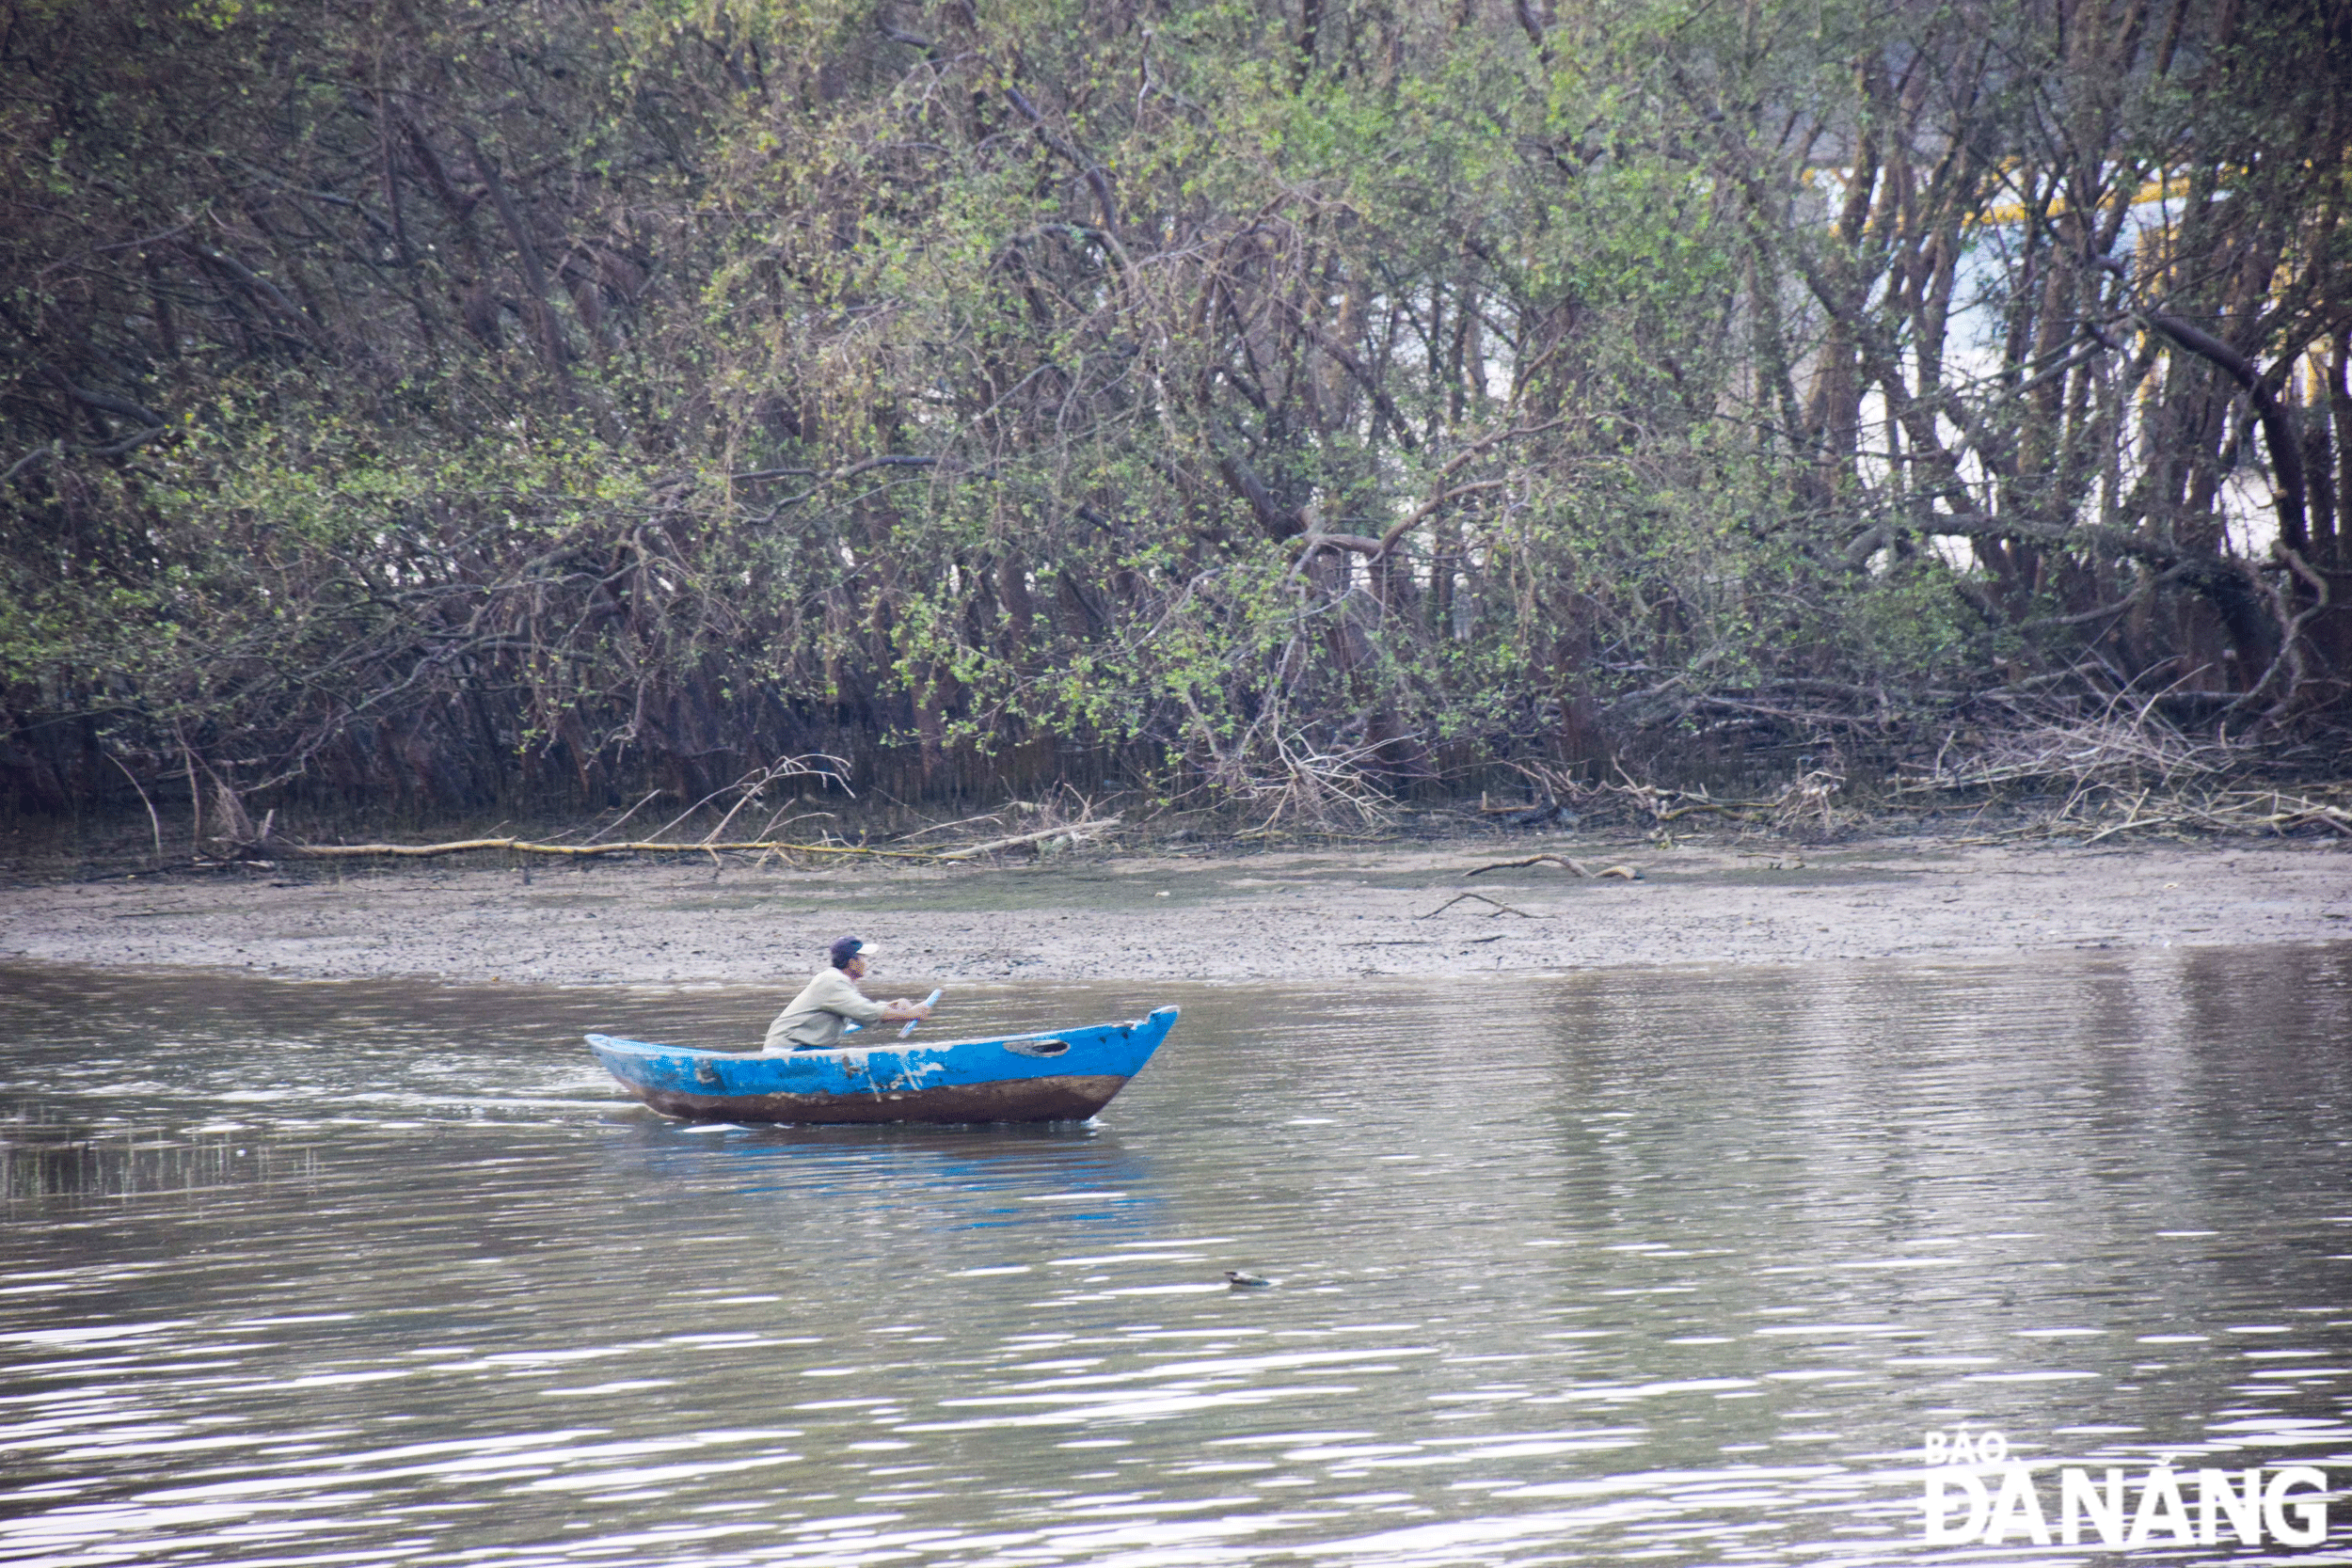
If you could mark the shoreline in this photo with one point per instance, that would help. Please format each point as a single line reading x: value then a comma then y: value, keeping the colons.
x: 1320, y: 913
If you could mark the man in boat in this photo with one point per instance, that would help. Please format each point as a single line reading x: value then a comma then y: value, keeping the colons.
x: 815, y: 1020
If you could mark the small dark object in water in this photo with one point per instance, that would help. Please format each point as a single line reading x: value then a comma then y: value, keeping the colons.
x: 1240, y: 1281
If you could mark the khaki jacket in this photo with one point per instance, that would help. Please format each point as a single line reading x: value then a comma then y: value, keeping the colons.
x: 813, y: 1021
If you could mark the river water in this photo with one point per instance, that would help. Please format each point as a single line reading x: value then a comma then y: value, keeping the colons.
x: 1674, y: 1266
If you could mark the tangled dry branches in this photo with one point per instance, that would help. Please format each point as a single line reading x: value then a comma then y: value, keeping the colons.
x: 2124, y: 771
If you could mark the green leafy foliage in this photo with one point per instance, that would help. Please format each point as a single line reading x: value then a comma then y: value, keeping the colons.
x: 464, y: 404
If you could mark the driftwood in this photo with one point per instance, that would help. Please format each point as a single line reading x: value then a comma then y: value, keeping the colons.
x: 524, y: 846
x: 943, y: 827
x: 1520, y: 866
x: 1623, y: 873
x: 1072, y: 830
x: 1509, y: 808
x: 1501, y: 908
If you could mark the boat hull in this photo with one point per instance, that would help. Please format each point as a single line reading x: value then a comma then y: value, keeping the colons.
x: 1066, y: 1075
x: 1065, y: 1098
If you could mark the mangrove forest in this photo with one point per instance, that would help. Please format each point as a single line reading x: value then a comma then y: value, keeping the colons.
x: 447, y: 406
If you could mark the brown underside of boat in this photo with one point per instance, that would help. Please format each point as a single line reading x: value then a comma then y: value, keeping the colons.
x: 1068, y: 1098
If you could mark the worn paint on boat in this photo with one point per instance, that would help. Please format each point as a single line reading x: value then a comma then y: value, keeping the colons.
x: 1062, y: 1075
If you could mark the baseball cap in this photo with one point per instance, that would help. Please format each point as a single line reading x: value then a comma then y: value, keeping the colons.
x: 846, y: 948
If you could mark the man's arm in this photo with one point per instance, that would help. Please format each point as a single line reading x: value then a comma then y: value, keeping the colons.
x: 842, y: 996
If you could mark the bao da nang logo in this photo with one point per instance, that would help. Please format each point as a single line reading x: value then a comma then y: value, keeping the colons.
x: 1978, y: 1496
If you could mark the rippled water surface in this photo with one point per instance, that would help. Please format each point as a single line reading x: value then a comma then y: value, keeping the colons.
x: 1642, y: 1265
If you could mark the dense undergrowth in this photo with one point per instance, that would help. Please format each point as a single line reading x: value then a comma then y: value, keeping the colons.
x: 434, y: 410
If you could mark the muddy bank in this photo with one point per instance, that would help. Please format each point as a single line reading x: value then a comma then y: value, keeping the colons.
x: 1311, y: 915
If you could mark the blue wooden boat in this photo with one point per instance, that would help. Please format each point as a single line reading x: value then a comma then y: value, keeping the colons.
x: 1064, y: 1075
